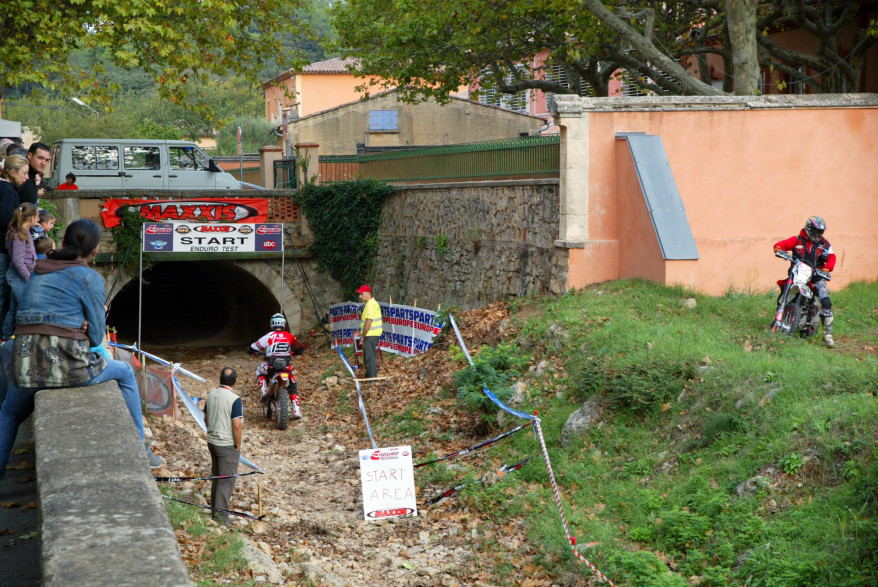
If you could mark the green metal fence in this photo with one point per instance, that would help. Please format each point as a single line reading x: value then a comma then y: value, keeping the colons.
x: 251, y: 175
x: 522, y: 158
x: 334, y: 168
x: 285, y: 174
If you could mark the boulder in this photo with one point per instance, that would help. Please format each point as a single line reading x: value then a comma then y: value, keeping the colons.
x: 259, y: 562
x: 580, y: 421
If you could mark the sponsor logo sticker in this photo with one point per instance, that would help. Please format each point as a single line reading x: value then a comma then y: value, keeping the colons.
x: 268, y: 230
x: 153, y: 229
x: 214, y: 228
x: 391, y: 512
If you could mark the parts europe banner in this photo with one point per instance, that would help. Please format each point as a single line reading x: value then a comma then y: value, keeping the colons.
x: 182, y: 237
x: 408, y: 331
x: 196, y: 210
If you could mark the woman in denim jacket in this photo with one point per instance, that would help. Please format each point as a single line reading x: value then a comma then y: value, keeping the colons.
x: 59, y: 336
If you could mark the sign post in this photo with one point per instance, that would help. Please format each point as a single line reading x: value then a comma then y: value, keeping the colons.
x: 241, y: 153
x: 388, y: 482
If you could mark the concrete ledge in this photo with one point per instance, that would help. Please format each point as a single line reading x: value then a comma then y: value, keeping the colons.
x: 102, y: 518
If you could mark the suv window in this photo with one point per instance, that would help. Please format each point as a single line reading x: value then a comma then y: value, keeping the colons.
x: 188, y: 159
x: 141, y: 157
x: 95, y: 157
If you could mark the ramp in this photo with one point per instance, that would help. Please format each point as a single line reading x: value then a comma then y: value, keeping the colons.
x: 662, y: 197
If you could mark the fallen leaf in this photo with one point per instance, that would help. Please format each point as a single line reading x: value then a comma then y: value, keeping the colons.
x: 29, y: 506
x: 29, y: 535
x: 9, y: 504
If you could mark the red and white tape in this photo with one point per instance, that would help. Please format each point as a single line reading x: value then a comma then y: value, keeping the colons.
x: 570, y: 540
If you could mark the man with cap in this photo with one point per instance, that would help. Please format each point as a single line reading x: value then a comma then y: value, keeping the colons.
x: 371, y: 330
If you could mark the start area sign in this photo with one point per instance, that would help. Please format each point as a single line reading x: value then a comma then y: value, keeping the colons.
x: 388, y: 480
x: 185, y: 237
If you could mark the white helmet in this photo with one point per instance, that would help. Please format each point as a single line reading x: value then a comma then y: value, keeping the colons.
x: 278, y: 322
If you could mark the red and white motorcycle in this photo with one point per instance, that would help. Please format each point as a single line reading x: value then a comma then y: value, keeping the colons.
x: 797, y: 308
x: 281, y: 393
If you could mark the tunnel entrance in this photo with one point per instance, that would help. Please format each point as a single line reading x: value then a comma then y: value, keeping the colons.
x: 198, y: 303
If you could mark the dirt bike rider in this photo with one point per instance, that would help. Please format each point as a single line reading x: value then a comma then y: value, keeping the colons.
x: 810, y: 247
x: 277, y: 344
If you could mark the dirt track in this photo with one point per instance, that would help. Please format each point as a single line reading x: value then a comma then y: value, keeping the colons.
x: 314, y: 531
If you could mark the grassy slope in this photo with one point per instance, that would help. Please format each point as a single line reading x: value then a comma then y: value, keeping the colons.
x: 694, y: 403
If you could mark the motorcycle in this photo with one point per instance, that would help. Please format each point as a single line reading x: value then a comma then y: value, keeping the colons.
x: 798, y: 310
x: 281, y: 394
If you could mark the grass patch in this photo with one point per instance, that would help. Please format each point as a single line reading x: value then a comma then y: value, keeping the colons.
x: 696, y: 402
x: 221, y: 553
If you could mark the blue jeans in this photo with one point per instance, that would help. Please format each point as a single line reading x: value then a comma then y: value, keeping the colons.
x: 19, y: 403
x: 17, y: 286
x: 4, y: 288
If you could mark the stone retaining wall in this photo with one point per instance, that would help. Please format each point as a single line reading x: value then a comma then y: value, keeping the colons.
x: 469, y: 244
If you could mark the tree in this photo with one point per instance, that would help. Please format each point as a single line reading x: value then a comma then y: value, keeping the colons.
x: 178, y: 43
x: 430, y: 48
x: 255, y: 134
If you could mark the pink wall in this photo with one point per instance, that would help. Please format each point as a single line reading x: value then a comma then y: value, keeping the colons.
x: 747, y: 178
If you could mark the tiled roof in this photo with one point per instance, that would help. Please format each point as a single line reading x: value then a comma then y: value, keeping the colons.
x: 330, y: 66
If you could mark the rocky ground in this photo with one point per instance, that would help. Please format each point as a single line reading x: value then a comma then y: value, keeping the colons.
x: 314, y: 532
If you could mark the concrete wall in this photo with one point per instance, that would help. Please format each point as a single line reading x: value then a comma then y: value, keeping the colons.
x: 102, y: 518
x: 338, y: 130
x: 749, y: 170
x: 499, y: 243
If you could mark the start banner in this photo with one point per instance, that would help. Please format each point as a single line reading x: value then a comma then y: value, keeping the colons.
x: 408, y: 331
x: 182, y: 237
x: 196, y: 210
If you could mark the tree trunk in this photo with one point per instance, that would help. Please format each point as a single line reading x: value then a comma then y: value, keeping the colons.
x: 741, y: 20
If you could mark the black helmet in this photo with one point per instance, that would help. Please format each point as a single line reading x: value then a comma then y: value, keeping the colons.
x: 278, y: 322
x: 814, y: 227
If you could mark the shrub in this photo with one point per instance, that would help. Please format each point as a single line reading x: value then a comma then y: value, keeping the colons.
x: 345, y: 217
x: 640, y: 568
x: 493, y: 368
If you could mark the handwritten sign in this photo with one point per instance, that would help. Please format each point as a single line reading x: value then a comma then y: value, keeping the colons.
x: 388, y: 481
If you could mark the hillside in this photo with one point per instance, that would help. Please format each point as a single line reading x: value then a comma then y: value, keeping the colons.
x: 716, y: 454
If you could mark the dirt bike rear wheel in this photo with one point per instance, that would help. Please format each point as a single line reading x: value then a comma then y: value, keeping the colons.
x: 283, y: 409
x: 789, y: 321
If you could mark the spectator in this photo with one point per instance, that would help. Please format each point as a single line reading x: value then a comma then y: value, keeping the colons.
x: 44, y: 225
x: 60, y: 316
x: 14, y: 174
x: 22, y: 259
x: 70, y: 184
x: 42, y: 245
x: 371, y: 329
x: 38, y: 157
x: 224, y: 418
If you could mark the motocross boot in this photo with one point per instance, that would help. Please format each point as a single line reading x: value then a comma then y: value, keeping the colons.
x: 297, y: 412
x: 263, y: 386
x: 827, y: 330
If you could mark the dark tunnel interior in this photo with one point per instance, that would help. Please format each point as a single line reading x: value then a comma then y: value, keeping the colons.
x: 194, y: 303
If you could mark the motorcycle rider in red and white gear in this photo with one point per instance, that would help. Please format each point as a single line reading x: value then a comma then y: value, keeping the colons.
x: 277, y: 343
x: 810, y: 247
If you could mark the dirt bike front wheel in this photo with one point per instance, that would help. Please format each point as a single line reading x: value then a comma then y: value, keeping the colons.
x: 789, y: 321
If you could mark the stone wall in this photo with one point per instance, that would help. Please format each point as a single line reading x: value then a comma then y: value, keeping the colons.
x: 469, y: 244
